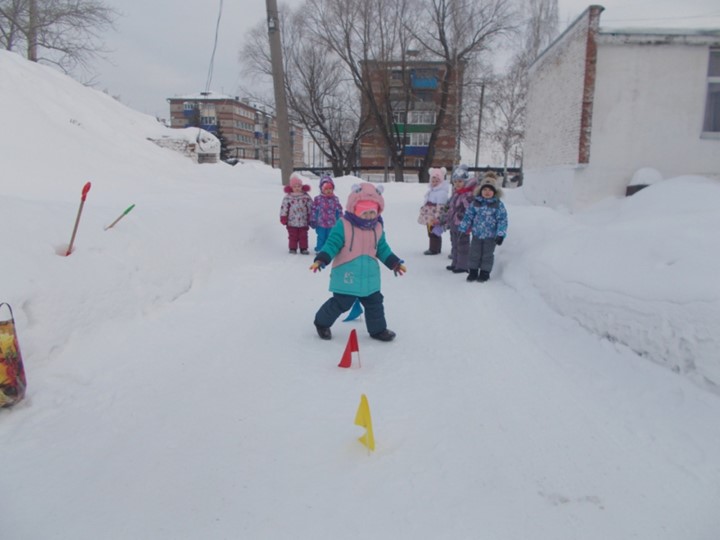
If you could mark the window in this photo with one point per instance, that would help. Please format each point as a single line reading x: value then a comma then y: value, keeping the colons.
x: 419, y: 139
x: 422, y: 117
x: 712, y: 103
x: 399, y: 117
x: 208, y: 120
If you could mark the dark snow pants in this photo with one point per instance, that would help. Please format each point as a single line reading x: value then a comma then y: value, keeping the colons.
x: 435, y: 242
x: 460, y: 249
x: 297, y: 235
x: 340, y: 303
x: 482, y: 254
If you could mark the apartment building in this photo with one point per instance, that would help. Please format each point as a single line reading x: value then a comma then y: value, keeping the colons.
x: 413, y: 89
x: 250, y: 132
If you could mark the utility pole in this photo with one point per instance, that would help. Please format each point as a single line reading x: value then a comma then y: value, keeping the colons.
x: 32, y: 37
x: 477, y: 143
x: 281, y: 112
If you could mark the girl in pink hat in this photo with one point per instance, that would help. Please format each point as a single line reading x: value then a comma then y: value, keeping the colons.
x: 295, y: 214
x: 355, y: 244
x: 433, y: 209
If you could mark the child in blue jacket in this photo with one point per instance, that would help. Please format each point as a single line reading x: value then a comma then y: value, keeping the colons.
x: 487, y: 219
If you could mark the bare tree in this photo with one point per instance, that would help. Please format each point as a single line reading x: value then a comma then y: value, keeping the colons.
x: 541, y: 27
x: 11, y: 34
x: 64, y: 33
x: 459, y: 31
x: 320, y: 94
x: 507, y: 102
x: 509, y: 92
x: 372, y: 38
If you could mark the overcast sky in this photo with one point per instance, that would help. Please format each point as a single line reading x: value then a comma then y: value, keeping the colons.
x: 162, y: 48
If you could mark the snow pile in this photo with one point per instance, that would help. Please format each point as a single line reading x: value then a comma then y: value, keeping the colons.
x: 638, y: 271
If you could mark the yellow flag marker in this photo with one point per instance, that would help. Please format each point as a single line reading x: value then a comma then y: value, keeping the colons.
x: 362, y: 418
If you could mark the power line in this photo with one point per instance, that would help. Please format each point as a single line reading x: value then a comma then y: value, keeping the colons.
x: 212, y: 58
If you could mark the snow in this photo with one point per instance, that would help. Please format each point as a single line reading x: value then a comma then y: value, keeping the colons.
x: 177, y: 388
x: 645, y: 176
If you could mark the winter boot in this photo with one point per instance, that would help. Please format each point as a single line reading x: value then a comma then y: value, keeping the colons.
x: 292, y: 251
x: 459, y: 271
x: 484, y: 276
x: 451, y: 268
x: 385, y: 335
x: 473, y: 275
x: 324, y: 332
x: 435, y: 245
x: 304, y: 252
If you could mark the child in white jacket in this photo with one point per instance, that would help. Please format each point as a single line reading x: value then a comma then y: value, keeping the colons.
x: 432, y: 212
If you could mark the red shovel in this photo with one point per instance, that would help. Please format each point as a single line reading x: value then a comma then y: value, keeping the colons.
x: 85, y: 190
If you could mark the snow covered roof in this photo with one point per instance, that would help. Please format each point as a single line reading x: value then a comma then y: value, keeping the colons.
x: 651, y: 36
x: 210, y: 95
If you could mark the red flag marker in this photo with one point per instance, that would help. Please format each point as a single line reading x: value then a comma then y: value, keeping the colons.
x: 85, y: 190
x: 351, y: 347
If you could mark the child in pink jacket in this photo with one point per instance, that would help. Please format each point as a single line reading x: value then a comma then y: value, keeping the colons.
x: 295, y: 214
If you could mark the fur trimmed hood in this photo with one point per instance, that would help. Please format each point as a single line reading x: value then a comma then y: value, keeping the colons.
x: 289, y: 189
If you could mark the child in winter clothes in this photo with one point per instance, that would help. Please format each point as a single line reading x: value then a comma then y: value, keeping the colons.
x: 295, y: 213
x: 463, y: 186
x: 326, y: 210
x: 431, y: 213
x: 355, y: 244
x: 487, y: 219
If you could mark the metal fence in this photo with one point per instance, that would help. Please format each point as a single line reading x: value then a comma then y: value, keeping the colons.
x: 410, y: 175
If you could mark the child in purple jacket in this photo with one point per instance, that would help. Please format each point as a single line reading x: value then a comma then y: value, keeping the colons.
x: 326, y: 210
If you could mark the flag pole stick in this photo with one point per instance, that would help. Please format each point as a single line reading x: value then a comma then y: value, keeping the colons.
x: 85, y: 190
x: 125, y: 213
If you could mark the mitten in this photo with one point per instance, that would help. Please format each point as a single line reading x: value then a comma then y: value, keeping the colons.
x: 283, y: 220
x: 317, y: 266
x: 499, y: 240
x: 399, y: 268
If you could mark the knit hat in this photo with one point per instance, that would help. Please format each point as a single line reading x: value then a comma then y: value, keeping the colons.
x: 460, y: 173
x: 364, y: 206
x: 326, y: 180
x: 365, y: 192
x: 295, y: 180
x: 489, y: 186
x: 471, y: 182
x: 489, y: 180
x: 437, y: 173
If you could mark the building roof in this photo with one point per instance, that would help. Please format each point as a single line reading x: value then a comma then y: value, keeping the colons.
x: 659, y: 36
x: 206, y: 96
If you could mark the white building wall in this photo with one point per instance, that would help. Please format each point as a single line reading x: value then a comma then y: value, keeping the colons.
x: 554, y: 110
x: 554, y: 104
x: 648, y: 112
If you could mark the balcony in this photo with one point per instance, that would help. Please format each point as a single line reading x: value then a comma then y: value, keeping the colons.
x: 423, y: 83
x: 416, y: 151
